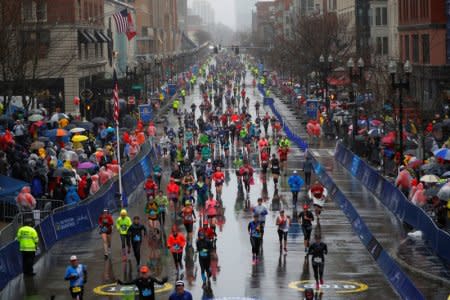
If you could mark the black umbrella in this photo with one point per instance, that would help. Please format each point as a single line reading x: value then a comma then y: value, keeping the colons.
x: 86, y: 125
x: 62, y: 172
x: 99, y: 120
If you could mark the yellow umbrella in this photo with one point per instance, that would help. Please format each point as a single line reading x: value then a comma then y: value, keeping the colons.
x: 79, y: 138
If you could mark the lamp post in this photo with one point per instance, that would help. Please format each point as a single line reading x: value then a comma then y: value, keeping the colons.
x: 325, y: 72
x: 351, y: 66
x: 402, y: 83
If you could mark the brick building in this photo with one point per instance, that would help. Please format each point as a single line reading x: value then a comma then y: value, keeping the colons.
x: 422, y: 31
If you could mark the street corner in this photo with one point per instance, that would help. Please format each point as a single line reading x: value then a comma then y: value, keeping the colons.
x: 332, y: 286
x: 114, y: 289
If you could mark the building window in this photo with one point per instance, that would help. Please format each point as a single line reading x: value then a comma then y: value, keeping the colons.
x: 86, y: 51
x: 384, y: 17
x: 28, y: 7
x: 41, y: 10
x: 385, y: 46
x: 96, y: 49
x: 406, y: 47
x: 378, y: 16
x: 379, y: 46
x: 370, y: 13
x: 415, y: 48
x: 425, y: 49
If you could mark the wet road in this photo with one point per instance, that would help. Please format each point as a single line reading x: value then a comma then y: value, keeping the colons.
x: 348, y: 267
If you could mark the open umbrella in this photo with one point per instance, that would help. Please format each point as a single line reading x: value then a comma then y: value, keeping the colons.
x: 86, y: 165
x: 429, y: 178
x: 35, y: 118
x: 86, y: 125
x: 443, y: 153
x: 37, y: 145
x: 62, y: 172
x: 58, y: 116
x: 56, y: 132
x: 375, y: 132
x: 414, y: 163
x: 43, y: 139
x: 37, y: 111
x: 444, y: 192
x: 446, y: 175
x: 77, y: 130
x: 79, y: 138
x: 99, y: 120
x: 376, y: 123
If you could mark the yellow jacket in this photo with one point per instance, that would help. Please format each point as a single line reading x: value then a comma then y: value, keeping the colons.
x: 28, y: 238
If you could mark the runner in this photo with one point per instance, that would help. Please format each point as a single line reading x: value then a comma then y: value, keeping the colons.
x: 180, y: 293
x: 176, y: 243
x: 318, y: 194
x: 145, y: 284
x: 76, y: 274
x: 137, y: 231
x: 123, y: 223
x: 218, y: 178
x: 275, y: 168
x: 283, y: 222
x: 261, y: 211
x: 255, y: 231
x: 318, y: 250
x: 105, y: 223
x: 189, y: 218
x: 211, y: 212
x: 150, y: 187
x: 306, y: 218
x: 204, y: 248
x: 295, y: 183
x: 162, y: 201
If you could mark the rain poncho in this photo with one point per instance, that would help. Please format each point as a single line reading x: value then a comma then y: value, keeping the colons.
x: 72, y: 196
x: 94, y: 185
x: 25, y: 200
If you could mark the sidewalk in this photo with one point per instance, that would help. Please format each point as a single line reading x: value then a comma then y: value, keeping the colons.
x: 413, y: 255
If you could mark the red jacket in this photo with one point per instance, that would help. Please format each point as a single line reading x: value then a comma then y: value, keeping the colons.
x: 150, y: 185
x: 176, y: 243
x: 173, y: 188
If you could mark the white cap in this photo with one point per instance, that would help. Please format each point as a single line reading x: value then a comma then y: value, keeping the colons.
x: 73, y: 257
x: 295, y: 171
x: 209, y: 160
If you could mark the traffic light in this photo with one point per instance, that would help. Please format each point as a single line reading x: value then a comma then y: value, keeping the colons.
x: 216, y: 50
x: 236, y: 50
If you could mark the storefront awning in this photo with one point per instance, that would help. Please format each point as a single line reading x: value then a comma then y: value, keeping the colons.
x: 92, y: 37
x: 100, y: 36
x: 84, y: 38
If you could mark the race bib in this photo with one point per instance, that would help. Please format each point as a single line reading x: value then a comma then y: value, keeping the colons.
x: 104, y: 229
x: 203, y: 253
x: 176, y: 247
x: 137, y: 238
x: 146, y: 292
x: 317, y: 260
x: 76, y: 289
x: 123, y: 227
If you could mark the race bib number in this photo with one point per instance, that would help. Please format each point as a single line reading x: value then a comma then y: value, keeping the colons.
x: 176, y: 247
x: 137, y: 238
x: 76, y: 289
x: 203, y: 253
x: 123, y: 227
x: 104, y: 229
x: 146, y: 292
x: 317, y: 260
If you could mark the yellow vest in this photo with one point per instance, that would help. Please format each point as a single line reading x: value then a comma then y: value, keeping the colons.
x: 28, y: 238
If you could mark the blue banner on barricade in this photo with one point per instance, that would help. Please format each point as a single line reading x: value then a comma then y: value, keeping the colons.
x: 172, y: 89
x: 71, y: 222
x: 145, y: 165
x: 395, y: 201
x: 132, y: 178
x: 10, y: 263
x: 48, y: 233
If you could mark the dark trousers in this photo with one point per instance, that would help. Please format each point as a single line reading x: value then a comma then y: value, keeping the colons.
x: 28, y: 261
x: 294, y: 198
x: 125, y: 239
x: 307, y: 178
x: 177, y: 259
x: 137, y: 251
x: 256, y: 245
x: 318, y: 271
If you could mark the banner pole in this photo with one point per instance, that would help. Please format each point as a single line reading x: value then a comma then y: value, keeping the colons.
x: 120, y: 165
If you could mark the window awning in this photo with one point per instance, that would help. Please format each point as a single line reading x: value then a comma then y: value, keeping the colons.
x: 92, y: 37
x: 107, y: 38
x: 83, y: 37
x: 100, y: 36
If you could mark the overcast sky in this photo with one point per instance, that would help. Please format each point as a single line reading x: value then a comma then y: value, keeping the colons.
x: 224, y: 11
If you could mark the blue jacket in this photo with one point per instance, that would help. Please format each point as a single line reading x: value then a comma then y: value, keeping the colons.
x: 295, y: 183
x: 72, y: 196
x: 185, y: 296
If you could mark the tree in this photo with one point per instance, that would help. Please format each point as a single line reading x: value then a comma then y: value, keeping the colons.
x: 202, y: 37
x: 27, y: 41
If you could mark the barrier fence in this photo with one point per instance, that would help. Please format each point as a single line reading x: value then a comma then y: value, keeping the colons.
x: 395, y: 201
x: 394, y: 274
x: 68, y: 221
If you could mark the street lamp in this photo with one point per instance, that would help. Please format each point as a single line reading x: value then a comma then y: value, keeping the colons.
x: 325, y: 72
x: 351, y: 66
x: 402, y: 83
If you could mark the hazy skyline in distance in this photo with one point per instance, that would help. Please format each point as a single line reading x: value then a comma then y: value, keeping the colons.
x: 224, y: 11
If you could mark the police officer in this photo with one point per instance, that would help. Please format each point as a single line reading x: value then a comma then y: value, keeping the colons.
x: 28, y: 242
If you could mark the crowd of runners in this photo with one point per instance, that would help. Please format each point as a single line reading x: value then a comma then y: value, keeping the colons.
x: 185, y: 212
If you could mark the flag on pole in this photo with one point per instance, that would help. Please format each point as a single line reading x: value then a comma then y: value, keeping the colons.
x: 124, y: 23
x: 116, y: 98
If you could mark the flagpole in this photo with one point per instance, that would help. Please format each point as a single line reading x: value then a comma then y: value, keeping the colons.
x: 120, y: 165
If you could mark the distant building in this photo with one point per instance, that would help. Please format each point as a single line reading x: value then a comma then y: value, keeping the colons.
x: 423, y: 32
x: 243, y: 13
x: 204, y: 9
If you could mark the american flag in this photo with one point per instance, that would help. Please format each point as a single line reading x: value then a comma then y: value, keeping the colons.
x: 124, y: 23
x: 116, y: 98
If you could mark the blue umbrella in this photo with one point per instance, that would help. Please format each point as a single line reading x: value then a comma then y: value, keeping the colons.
x: 443, y: 153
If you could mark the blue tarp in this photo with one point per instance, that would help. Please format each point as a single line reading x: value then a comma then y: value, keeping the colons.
x: 9, y: 188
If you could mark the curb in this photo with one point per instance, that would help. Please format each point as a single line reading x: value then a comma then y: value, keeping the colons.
x: 418, y: 271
